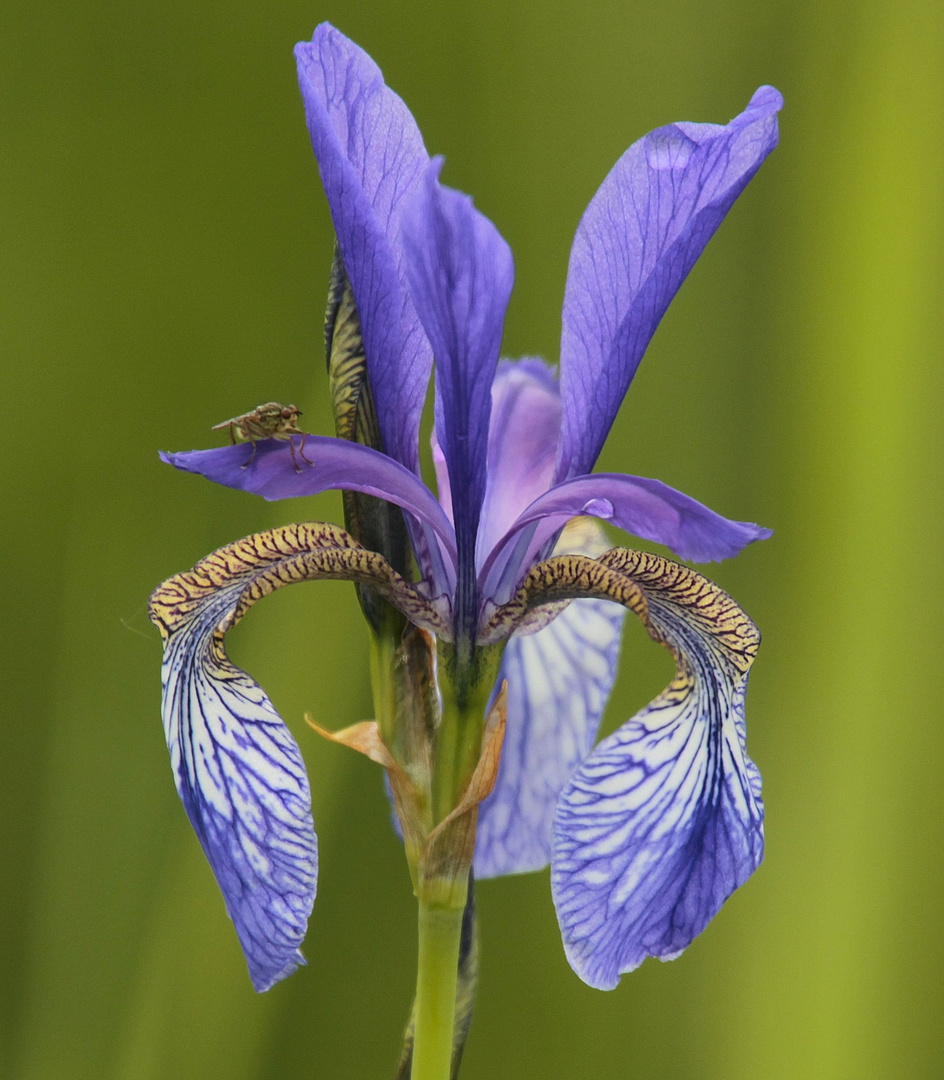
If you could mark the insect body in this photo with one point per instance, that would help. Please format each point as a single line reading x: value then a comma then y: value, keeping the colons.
x: 269, y: 421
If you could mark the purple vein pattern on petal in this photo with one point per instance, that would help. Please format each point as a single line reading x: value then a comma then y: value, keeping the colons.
x: 559, y: 681
x: 334, y: 464
x: 461, y: 274
x: 371, y: 155
x: 664, y: 819
x: 241, y: 778
x: 636, y: 243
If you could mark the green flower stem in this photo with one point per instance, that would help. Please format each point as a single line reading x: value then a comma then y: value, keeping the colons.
x: 440, y: 932
x: 465, y: 692
x: 383, y: 684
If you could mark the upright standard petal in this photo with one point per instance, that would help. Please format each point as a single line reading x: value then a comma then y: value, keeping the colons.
x: 461, y: 274
x: 664, y: 820
x: 523, y: 434
x: 559, y: 680
x: 371, y: 155
x: 238, y: 770
x: 636, y: 243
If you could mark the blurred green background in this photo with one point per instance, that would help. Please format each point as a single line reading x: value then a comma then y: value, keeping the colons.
x: 164, y: 254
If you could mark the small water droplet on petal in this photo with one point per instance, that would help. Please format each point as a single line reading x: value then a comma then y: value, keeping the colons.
x: 668, y: 149
x: 600, y: 508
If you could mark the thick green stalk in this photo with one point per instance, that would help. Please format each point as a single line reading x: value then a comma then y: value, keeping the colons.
x: 440, y: 933
x: 465, y: 994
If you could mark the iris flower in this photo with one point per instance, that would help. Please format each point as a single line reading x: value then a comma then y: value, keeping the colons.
x: 650, y: 831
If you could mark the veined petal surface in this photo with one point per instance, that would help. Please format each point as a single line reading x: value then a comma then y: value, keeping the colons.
x: 237, y: 768
x: 559, y: 680
x: 371, y: 155
x: 461, y: 274
x: 638, y: 239
x: 664, y: 819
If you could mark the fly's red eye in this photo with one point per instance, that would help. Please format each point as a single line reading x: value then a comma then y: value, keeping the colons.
x: 286, y: 414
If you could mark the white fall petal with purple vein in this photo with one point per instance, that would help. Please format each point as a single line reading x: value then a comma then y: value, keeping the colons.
x: 664, y: 820
x: 241, y: 778
x: 559, y: 680
x: 237, y: 767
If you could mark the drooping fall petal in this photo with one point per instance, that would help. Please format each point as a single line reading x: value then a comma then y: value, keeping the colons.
x: 664, y: 819
x: 237, y: 767
x: 559, y: 680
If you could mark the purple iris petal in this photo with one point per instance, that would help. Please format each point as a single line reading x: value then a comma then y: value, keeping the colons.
x: 371, y: 155
x: 636, y: 243
x: 559, y: 680
x: 522, y: 445
x: 243, y: 784
x: 664, y: 819
x: 461, y: 274
x: 335, y: 464
x: 657, y: 828
x: 645, y: 508
x: 441, y: 469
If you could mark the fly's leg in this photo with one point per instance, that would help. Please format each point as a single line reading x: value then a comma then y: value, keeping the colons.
x: 291, y: 445
x: 252, y: 456
x: 301, y: 451
x: 232, y: 434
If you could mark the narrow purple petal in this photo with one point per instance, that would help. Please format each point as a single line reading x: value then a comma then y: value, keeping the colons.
x: 664, y: 820
x: 242, y: 781
x: 371, y: 155
x: 461, y: 273
x: 522, y: 445
x: 559, y: 680
x: 327, y: 464
x: 645, y: 508
x: 636, y: 243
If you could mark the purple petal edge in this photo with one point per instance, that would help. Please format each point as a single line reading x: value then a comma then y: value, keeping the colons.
x: 523, y: 434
